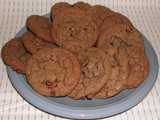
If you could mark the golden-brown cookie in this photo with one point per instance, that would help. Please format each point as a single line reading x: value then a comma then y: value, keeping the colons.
x: 58, y: 7
x: 119, y: 73
x: 74, y: 30
x: 139, y: 69
x: 33, y: 44
x: 96, y: 70
x: 40, y: 26
x: 131, y: 39
x: 53, y: 71
x: 99, y: 13
x: 115, y: 19
x: 15, y: 55
x: 82, y: 6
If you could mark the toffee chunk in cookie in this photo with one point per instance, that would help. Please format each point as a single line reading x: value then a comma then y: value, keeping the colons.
x: 15, y: 55
x: 74, y: 30
x: 53, y: 71
x: 33, y: 43
x: 96, y: 70
x: 40, y: 26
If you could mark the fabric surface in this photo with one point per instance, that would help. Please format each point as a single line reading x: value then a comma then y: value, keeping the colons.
x: 144, y: 14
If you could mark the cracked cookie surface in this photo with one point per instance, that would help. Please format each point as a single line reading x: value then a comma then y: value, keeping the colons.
x: 33, y: 43
x: 131, y: 39
x: 119, y: 73
x: 53, y: 71
x: 15, y: 55
x: 114, y: 19
x: 74, y: 30
x: 99, y: 13
x: 96, y: 70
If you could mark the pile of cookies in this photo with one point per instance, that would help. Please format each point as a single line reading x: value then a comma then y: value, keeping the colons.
x: 82, y: 51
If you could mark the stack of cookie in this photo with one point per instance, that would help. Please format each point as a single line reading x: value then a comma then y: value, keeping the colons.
x: 82, y: 51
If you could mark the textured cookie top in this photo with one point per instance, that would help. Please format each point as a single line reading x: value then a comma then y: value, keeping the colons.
x: 131, y: 39
x: 40, y: 26
x: 33, y: 43
x: 99, y: 13
x: 96, y: 70
x: 74, y: 30
x: 15, y: 55
x: 62, y: 6
x: 122, y: 34
x: 82, y: 6
x: 139, y: 69
x: 119, y: 73
x: 115, y: 19
x: 125, y: 36
x: 56, y: 70
x: 58, y: 7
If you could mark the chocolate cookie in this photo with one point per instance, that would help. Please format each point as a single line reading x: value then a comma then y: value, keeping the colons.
x: 96, y: 70
x: 53, y: 71
x: 119, y: 73
x: 131, y: 39
x: 40, y: 26
x: 97, y: 13
x: 114, y: 19
x: 33, y: 44
x: 82, y: 6
x: 74, y: 30
x: 15, y: 55
x: 58, y: 7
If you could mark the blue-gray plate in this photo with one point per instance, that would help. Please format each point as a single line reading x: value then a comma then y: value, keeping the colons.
x: 87, y: 109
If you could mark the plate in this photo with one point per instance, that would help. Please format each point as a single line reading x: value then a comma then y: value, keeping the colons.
x: 87, y: 109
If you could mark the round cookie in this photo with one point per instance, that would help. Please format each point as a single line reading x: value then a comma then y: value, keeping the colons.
x: 121, y: 35
x: 99, y: 13
x: 131, y: 39
x: 33, y: 44
x: 74, y: 30
x: 138, y: 70
x: 53, y: 71
x: 119, y: 73
x: 40, y: 26
x: 15, y: 55
x: 96, y: 70
x: 58, y: 7
x: 115, y: 19
x: 82, y: 6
